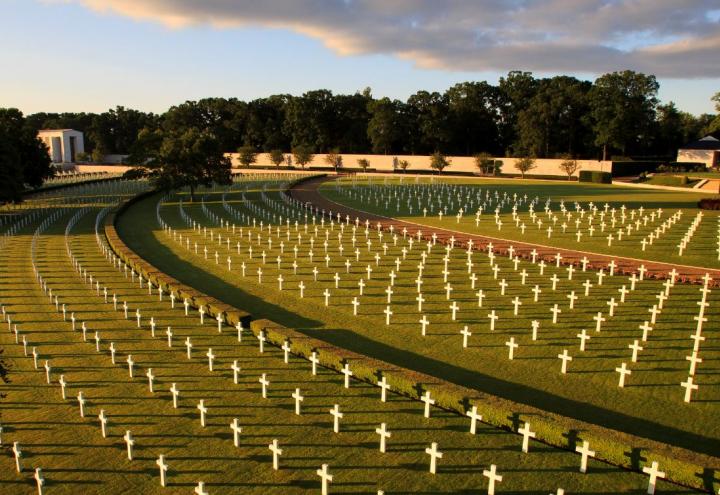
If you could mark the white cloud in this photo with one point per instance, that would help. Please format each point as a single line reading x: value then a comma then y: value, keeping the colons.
x: 664, y: 37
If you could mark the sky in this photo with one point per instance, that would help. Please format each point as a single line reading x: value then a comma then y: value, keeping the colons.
x: 92, y: 55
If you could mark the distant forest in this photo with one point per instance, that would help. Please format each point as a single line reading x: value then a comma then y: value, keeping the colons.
x: 617, y: 115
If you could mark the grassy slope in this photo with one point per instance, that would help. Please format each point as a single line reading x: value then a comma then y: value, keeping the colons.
x: 702, y: 250
x: 74, y: 456
x: 590, y: 392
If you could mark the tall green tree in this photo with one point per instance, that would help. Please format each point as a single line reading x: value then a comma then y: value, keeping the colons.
x: 186, y: 158
x: 553, y: 122
x: 24, y: 159
x: 622, y: 109
x: 429, y: 112
x: 473, y: 118
x: 383, y: 128
x: 515, y: 92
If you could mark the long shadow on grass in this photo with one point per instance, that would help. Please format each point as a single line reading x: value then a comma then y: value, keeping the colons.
x: 517, y: 392
x: 136, y: 231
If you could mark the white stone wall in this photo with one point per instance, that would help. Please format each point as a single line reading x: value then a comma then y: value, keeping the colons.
x: 711, y: 158
x: 543, y: 166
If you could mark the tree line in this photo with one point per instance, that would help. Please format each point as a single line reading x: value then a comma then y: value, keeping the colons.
x: 616, y: 115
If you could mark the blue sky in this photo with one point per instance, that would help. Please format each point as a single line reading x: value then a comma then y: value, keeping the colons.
x: 91, y: 55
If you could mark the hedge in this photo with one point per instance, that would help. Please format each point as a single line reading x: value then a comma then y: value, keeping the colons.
x: 709, y: 204
x: 595, y: 176
x: 681, y: 466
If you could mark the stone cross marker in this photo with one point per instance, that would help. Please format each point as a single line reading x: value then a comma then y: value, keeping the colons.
x: 175, y: 393
x: 200, y: 488
x: 298, y: 399
x: 103, y: 422
x: 474, y: 418
x: 584, y: 452
x: 264, y: 382
x: 236, y: 371
x: 203, y: 411
x: 565, y: 357
x: 384, y: 434
x: 39, y: 480
x: 434, y: 454
x: 527, y: 435
x: 337, y: 415
x: 18, y: 455
x: 129, y: 442
x: 654, y: 474
x: 163, y: 469
x: 276, y: 453
x: 492, y: 477
x: 236, y: 429
x: 428, y: 402
x: 325, y: 478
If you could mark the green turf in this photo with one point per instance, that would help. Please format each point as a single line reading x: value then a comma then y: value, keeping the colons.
x: 648, y: 407
x: 74, y: 456
x: 703, y: 250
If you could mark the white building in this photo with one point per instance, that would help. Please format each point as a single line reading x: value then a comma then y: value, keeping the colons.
x: 64, y: 144
x: 705, y: 150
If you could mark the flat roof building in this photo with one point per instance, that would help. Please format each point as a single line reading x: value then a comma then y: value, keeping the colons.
x: 64, y: 144
x: 705, y: 150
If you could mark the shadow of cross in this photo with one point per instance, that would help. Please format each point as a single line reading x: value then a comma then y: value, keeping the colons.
x: 636, y: 457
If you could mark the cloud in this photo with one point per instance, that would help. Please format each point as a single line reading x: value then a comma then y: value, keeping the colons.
x: 664, y: 37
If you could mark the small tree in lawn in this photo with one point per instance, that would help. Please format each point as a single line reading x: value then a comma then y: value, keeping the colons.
x: 277, y: 157
x: 247, y: 155
x: 403, y: 164
x: 569, y: 166
x: 524, y: 165
x: 303, y: 155
x: 485, y: 163
x: 334, y: 159
x: 363, y: 163
x: 439, y: 162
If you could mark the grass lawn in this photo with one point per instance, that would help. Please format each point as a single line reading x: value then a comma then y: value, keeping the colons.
x: 703, y: 250
x: 674, y: 180
x: 74, y: 456
x: 651, y: 404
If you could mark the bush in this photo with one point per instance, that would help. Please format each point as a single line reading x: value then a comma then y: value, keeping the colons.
x: 709, y: 204
x: 682, y: 167
x: 595, y: 176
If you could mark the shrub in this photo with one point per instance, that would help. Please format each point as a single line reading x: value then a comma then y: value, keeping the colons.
x: 595, y: 176
x: 709, y: 204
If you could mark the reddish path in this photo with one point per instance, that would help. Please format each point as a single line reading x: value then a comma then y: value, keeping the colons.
x: 307, y: 192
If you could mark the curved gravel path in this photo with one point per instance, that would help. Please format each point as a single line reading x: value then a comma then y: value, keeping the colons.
x: 308, y: 192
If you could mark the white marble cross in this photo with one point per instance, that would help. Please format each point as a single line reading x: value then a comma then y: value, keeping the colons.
x: 428, y: 402
x: 493, y: 318
x: 175, y: 393
x: 346, y: 371
x: 325, y: 478
x: 512, y: 346
x: 527, y: 435
x: 200, y: 488
x: 384, y: 435
x: 555, y: 310
x: 169, y: 334
x: 264, y: 382
x: 39, y: 480
x: 298, y: 399
x: 203, y: 411
x: 337, y: 415
x: 237, y: 429
x: 635, y: 347
x: 434, y: 454
x: 654, y: 474
x: 689, y: 386
x: 424, y: 322
x: 315, y: 361
x: 163, y: 469
x: 211, y: 358
x: 48, y: 369
x: 18, y: 455
x: 474, y: 418
x: 492, y: 477
x: 624, y: 371
x: 584, y: 337
x: 384, y: 387
x: 584, y: 452
x: 236, y: 370
x: 466, y: 334
x: 81, y: 403
x: 130, y: 364
x: 565, y: 357
x: 129, y: 443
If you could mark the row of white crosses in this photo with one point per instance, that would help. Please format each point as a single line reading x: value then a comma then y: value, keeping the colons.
x: 445, y: 194
x: 511, y: 344
x: 426, y: 398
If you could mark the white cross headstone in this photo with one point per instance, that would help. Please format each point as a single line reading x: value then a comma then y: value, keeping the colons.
x: 434, y: 454
x: 584, y: 452
x: 384, y: 435
x: 337, y: 415
x: 492, y: 477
